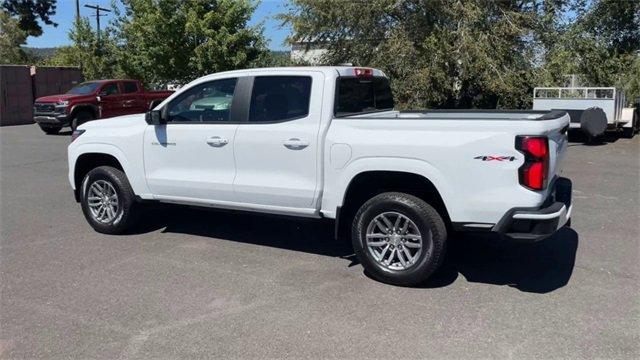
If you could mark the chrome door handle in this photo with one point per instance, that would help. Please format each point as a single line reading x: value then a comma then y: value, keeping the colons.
x: 217, y: 141
x: 295, y: 144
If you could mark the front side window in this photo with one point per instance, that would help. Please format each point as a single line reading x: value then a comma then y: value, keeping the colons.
x: 210, y: 101
x: 130, y: 87
x: 279, y: 98
x: 110, y: 89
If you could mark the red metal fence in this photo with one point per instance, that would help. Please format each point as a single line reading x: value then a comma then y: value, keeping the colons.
x: 54, y: 80
x: 20, y: 85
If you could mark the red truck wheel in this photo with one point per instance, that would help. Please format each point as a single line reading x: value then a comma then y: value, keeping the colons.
x: 80, y: 118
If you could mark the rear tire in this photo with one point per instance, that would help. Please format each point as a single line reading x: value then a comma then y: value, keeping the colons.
x: 80, y: 118
x: 108, y: 201
x: 50, y: 130
x: 415, y: 245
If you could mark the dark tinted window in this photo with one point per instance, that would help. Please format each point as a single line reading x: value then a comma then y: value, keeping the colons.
x: 110, y: 89
x: 84, y: 88
x: 278, y: 98
x: 210, y: 101
x: 130, y: 87
x: 363, y: 95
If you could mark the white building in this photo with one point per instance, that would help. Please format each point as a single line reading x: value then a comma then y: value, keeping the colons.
x: 309, y: 52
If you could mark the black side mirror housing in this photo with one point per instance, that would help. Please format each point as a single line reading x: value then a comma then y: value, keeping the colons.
x: 154, y: 117
x: 154, y: 103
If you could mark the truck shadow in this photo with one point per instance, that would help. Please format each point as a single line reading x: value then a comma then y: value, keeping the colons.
x: 539, y: 268
x: 305, y: 235
x: 61, y: 133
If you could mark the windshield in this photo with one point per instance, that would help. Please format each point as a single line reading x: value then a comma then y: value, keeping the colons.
x: 84, y: 88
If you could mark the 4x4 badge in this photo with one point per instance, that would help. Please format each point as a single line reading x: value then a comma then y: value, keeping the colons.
x: 495, y: 158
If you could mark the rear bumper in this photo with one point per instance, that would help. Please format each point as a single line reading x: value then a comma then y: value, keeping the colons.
x: 51, y: 119
x: 535, y: 224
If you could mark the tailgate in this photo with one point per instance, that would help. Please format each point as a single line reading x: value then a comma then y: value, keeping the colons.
x: 557, y: 131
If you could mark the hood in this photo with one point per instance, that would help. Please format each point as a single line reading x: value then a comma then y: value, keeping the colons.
x: 125, y: 121
x: 57, y: 98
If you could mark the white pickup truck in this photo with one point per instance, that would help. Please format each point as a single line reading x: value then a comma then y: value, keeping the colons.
x: 325, y: 142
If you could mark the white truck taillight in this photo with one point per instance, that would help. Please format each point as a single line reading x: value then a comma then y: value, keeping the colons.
x: 534, y: 172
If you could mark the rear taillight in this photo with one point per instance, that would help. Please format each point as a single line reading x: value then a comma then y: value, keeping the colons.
x: 534, y: 172
x: 76, y: 134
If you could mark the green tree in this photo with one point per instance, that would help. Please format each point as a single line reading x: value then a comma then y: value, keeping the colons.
x: 11, y: 40
x: 440, y: 53
x: 602, y: 45
x: 29, y: 11
x: 273, y: 58
x: 97, y: 62
x: 161, y: 41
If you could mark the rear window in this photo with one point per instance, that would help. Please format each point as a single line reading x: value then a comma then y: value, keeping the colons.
x: 356, y: 95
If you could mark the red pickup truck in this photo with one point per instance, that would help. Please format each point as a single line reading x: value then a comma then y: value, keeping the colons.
x: 93, y: 100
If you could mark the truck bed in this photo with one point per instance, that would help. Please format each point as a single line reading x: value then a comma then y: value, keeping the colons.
x: 475, y: 114
x: 447, y: 147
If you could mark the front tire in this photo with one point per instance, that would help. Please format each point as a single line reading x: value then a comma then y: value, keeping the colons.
x: 399, y: 238
x: 80, y: 118
x: 108, y: 201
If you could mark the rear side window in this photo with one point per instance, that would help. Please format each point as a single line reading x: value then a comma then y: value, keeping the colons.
x: 279, y: 98
x: 356, y: 95
x: 130, y: 87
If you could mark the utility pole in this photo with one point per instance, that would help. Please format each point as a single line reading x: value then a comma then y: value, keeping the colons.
x: 77, y: 11
x: 98, y: 9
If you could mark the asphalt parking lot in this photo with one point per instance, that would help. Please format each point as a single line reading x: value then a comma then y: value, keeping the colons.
x: 200, y: 284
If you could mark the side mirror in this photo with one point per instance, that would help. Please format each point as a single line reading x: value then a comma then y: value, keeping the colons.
x: 154, y: 103
x: 103, y: 93
x: 154, y: 117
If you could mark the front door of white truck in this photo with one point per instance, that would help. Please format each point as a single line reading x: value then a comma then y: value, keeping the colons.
x: 191, y: 157
x: 277, y: 149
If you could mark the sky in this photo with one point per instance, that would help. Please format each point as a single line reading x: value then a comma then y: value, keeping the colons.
x: 65, y: 13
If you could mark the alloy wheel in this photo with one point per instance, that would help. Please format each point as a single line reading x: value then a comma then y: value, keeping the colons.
x: 102, y: 200
x: 394, y: 241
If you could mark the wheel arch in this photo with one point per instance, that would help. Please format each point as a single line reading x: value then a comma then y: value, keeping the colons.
x: 84, y: 107
x: 366, y: 184
x: 87, y: 161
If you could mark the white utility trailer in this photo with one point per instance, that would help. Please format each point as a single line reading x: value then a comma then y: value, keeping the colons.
x: 592, y: 109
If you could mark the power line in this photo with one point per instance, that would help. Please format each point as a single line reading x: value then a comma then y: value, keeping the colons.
x: 97, y: 15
